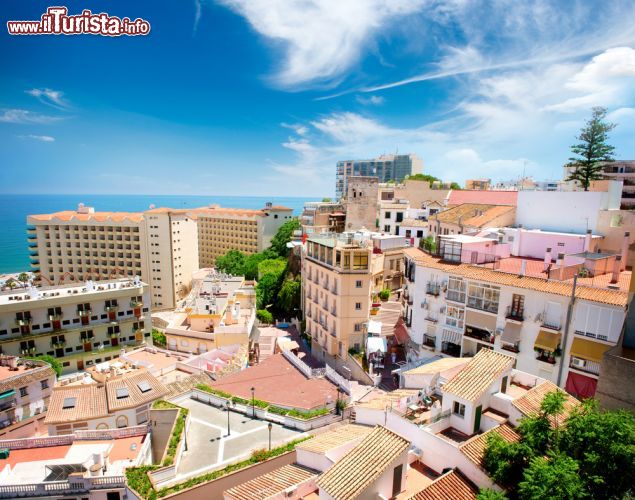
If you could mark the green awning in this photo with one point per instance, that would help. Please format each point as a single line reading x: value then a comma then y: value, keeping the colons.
x: 7, y: 394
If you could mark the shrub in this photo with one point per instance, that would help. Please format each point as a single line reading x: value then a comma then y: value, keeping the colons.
x: 384, y: 294
x: 277, y: 410
x: 216, y: 392
x: 264, y: 316
x: 55, y: 364
x: 158, y: 337
x: 307, y: 415
x: 248, y: 402
x: 137, y: 479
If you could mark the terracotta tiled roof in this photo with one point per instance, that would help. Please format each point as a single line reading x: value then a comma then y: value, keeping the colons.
x: 280, y: 207
x: 71, y: 215
x: 335, y: 438
x: 220, y: 212
x: 474, y: 448
x: 458, y: 197
x: 414, y: 223
x: 90, y: 402
x: 26, y: 377
x: 529, y: 403
x: 479, y: 373
x: 477, y: 273
x: 438, y: 366
x: 450, y: 486
x: 136, y: 397
x: 363, y: 465
x: 401, y: 332
x: 272, y: 483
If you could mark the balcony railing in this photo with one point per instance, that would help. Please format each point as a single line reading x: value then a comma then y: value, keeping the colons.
x: 483, y: 337
x: 84, y: 313
x: 429, y: 340
x: 511, y: 346
x: 433, y: 289
x: 8, y: 405
x: 515, y: 314
x: 551, y: 325
x: 59, y: 344
x: 587, y: 366
x: 546, y: 357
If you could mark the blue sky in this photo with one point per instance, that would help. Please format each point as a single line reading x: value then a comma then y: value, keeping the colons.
x: 262, y: 97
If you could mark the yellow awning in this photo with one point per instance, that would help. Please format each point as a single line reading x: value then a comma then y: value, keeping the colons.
x: 588, y: 349
x: 547, y: 340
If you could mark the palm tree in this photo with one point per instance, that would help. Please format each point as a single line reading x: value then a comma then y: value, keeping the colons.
x: 23, y: 278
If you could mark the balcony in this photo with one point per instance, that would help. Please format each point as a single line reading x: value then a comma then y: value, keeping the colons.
x: 546, y: 357
x: 59, y: 344
x: 479, y: 334
x: 584, y: 365
x: 8, y: 405
x: 334, y: 311
x: 433, y: 289
x: 551, y: 325
x: 111, y: 308
x: 515, y: 314
x: 85, y: 313
x: 511, y: 346
x: 430, y: 341
x: 24, y: 321
x: 29, y: 351
x: 136, y: 303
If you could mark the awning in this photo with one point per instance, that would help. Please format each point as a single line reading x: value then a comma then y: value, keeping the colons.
x: 7, y: 394
x: 452, y: 336
x: 511, y: 334
x: 587, y: 349
x: 401, y: 332
x: 547, y: 340
x: 374, y: 327
x: 480, y: 320
x: 581, y: 386
x: 374, y: 344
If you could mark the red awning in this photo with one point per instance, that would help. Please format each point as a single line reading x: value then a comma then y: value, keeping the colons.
x: 581, y: 386
x: 401, y: 332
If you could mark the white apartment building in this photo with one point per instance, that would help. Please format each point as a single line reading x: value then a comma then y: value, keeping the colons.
x: 460, y: 309
x: 391, y: 215
x: 160, y: 245
x: 25, y: 388
x: 81, y: 324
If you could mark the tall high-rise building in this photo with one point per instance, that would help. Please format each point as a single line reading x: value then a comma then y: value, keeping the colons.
x: 159, y: 245
x: 385, y: 168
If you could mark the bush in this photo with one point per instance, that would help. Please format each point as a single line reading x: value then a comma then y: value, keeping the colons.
x: 277, y: 410
x: 384, y: 294
x: 264, y: 316
x: 177, y: 431
x: 137, y: 479
x: 307, y: 415
x: 216, y: 392
x: 55, y: 364
x: 158, y: 338
x: 247, y: 402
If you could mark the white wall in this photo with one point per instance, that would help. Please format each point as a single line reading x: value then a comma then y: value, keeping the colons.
x: 576, y: 211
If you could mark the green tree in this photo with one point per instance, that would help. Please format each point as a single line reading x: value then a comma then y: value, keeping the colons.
x: 232, y: 262
x: 158, y: 338
x: 250, y: 265
x: 326, y: 200
x: 603, y: 444
x: 487, y: 494
x: 455, y: 186
x: 267, y: 289
x: 552, y: 405
x: 592, y: 150
x: 23, y: 278
x: 553, y: 477
x: 423, y: 177
x: 505, y: 461
x: 271, y: 266
x: 55, y: 364
x: 289, y: 296
x: 283, y: 236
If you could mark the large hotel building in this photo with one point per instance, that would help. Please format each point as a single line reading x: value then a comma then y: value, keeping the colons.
x: 81, y: 324
x: 249, y: 231
x: 163, y: 246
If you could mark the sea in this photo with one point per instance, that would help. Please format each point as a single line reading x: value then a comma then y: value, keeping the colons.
x: 14, y: 209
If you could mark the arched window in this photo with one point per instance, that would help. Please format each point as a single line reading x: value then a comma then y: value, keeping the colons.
x: 122, y: 421
x: 102, y: 426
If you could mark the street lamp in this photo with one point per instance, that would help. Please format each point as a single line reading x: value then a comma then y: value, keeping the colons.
x: 253, y: 402
x: 228, y: 429
x: 270, y: 425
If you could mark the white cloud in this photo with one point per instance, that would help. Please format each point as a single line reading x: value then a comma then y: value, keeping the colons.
x: 24, y: 116
x: 41, y: 138
x: 374, y: 100
x: 320, y: 39
x: 54, y: 98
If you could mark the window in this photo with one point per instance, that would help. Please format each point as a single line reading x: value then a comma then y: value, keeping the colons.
x: 387, y: 215
x: 144, y: 386
x: 456, y: 290
x: 484, y: 297
x: 386, y: 228
x: 23, y: 392
x: 454, y: 317
x: 44, y: 384
x: 69, y: 403
x: 358, y: 327
x: 358, y: 306
x: 358, y: 284
x: 399, y: 216
x: 122, y: 393
x: 459, y: 409
x: 360, y: 261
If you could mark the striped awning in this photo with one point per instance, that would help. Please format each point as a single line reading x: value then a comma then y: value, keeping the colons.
x: 480, y: 320
x: 587, y: 349
x: 548, y: 341
x: 452, y: 336
x: 511, y: 334
x: 7, y: 394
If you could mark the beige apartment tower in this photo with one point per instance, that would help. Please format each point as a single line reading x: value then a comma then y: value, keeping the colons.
x: 249, y: 231
x: 159, y: 245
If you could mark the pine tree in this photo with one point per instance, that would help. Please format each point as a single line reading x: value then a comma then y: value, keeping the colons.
x: 592, y: 150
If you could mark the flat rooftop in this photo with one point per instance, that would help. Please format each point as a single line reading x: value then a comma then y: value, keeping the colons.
x: 278, y: 382
x: 21, y: 295
x: 156, y: 359
x: 39, y: 371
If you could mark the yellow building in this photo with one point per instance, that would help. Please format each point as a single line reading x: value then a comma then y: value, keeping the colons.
x: 249, y: 231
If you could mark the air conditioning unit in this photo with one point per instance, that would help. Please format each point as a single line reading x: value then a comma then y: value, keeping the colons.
x: 578, y: 363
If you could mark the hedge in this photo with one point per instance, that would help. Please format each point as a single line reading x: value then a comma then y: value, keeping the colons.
x: 216, y: 392
x: 177, y: 431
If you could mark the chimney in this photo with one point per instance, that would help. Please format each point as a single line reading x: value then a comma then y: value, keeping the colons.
x: 228, y: 315
x: 519, y: 240
x: 624, y: 253
x: 587, y: 240
x: 547, y: 259
x: 617, y: 267
x: 523, y: 267
x: 560, y: 264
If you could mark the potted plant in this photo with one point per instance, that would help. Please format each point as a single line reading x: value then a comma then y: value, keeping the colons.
x: 384, y: 295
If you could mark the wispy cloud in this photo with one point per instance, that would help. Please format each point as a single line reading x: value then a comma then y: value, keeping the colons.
x: 319, y: 39
x: 26, y: 117
x: 50, y: 97
x: 373, y: 100
x: 198, y: 13
x: 41, y: 138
